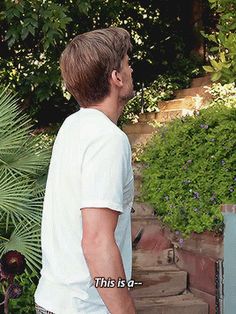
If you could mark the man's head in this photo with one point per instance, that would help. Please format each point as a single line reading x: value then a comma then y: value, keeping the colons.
x: 90, y: 61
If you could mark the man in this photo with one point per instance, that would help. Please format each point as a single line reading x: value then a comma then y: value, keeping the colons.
x: 86, y: 227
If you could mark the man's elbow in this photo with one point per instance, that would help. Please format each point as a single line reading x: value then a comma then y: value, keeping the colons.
x: 94, y: 246
x: 87, y: 247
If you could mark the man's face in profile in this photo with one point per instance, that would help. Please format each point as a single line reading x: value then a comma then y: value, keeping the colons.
x: 127, y: 91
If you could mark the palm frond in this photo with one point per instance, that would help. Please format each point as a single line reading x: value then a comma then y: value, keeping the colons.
x: 26, y: 239
x: 26, y: 160
x: 14, y: 126
x: 23, y: 172
x: 39, y: 185
x: 16, y: 201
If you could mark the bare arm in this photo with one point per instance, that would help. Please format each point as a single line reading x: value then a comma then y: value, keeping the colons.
x: 103, y: 257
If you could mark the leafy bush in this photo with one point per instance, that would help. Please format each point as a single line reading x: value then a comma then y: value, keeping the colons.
x: 189, y: 169
x: 223, y: 53
x: 224, y: 95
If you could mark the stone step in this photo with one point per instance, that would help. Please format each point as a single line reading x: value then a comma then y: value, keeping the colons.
x: 149, y: 223
x: 142, y: 209
x: 148, y: 116
x: 159, y: 281
x: 139, y: 139
x: 138, y: 128
x: 143, y: 259
x: 137, y: 186
x: 193, y: 92
x: 201, y: 81
x: 148, y: 234
x: 146, y: 219
x: 167, y: 115
x: 141, y: 132
x: 181, y: 304
x: 187, y: 102
x: 138, y: 168
x: 169, y: 110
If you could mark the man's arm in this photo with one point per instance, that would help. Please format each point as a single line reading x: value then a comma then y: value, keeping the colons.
x: 103, y: 256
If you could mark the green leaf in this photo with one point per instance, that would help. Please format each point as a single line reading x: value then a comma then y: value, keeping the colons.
x: 216, y: 76
x: 222, y: 57
x: 217, y: 66
x: 208, y: 68
x: 31, y: 30
x: 24, y: 33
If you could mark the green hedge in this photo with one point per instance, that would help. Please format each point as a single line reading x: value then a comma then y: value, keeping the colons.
x: 190, y: 170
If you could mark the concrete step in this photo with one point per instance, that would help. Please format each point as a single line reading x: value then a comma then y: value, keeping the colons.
x: 201, y: 81
x: 170, y: 114
x: 186, y: 102
x: 146, y: 219
x: 181, y: 304
x: 142, y: 209
x: 168, y: 110
x: 137, y: 170
x: 193, y: 92
x: 148, y: 116
x: 138, y: 139
x: 159, y: 281
x: 143, y: 259
x: 141, y: 132
x: 138, y: 128
x: 171, y: 109
x: 148, y: 234
x: 137, y: 187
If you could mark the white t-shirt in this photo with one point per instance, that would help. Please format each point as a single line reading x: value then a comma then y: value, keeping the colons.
x: 90, y: 167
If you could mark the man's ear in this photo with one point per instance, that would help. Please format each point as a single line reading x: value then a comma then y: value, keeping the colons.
x: 116, y: 78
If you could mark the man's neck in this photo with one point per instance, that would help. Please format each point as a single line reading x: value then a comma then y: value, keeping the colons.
x: 111, y: 109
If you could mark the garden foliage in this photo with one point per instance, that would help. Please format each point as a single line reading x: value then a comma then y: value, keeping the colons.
x: 34, y: 33
x: 223, y: 38
x: 25, y: 303
x: 189, y: 167
x: 23, y: 170
x: 24, y: 160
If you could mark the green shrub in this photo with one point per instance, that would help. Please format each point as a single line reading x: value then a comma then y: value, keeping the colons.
x: 189, y: 169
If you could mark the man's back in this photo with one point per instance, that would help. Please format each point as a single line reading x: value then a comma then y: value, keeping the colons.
x: 90, y: 167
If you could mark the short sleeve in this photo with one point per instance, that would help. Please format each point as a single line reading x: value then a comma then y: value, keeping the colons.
x: 104, y: 172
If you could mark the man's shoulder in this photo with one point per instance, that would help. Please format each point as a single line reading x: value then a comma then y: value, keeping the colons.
x: 93, y: 131
x: 115, y: 136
